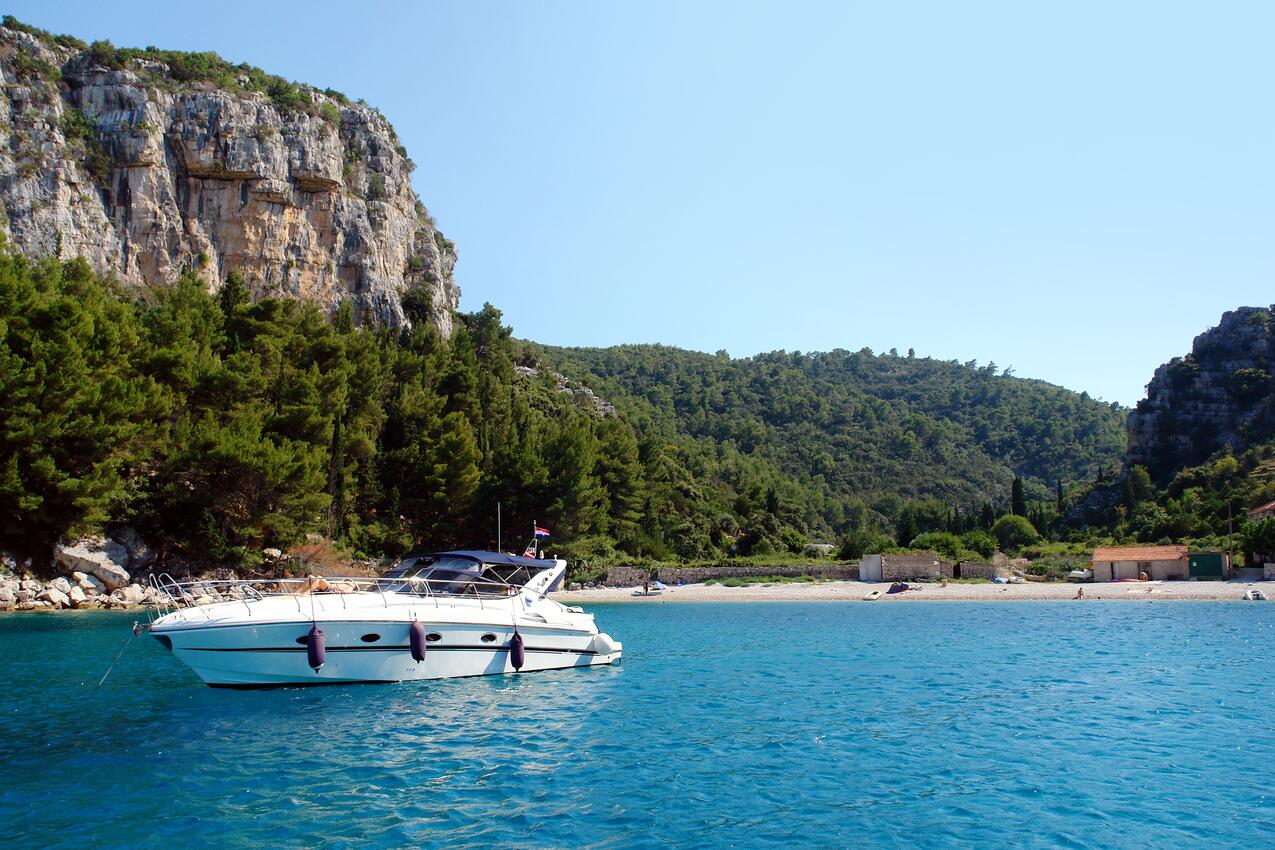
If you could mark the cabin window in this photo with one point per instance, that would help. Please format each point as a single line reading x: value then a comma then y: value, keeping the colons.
x: 489, y: 638
x: 433, y: 637
x: 370, y: 638
x: 303, y: 640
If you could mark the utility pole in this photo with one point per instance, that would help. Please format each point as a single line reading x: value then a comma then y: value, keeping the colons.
x: 1230, y: 543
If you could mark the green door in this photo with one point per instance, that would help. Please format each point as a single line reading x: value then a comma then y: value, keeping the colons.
x: 1206, y: 565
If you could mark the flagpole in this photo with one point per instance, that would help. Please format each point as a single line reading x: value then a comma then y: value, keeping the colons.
x: 498, y: 549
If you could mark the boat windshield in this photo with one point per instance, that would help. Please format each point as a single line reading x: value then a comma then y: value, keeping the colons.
x: 447, y: 574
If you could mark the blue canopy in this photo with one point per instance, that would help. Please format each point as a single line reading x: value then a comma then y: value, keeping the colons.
x: 501, y: 559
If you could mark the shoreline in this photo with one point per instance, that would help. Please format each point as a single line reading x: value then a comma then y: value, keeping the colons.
x: 847, y: 591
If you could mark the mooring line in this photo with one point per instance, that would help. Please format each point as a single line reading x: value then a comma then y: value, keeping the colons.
x: 118, y: 655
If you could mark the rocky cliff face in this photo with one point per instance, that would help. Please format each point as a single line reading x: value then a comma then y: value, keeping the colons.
x: 1220, y: 394
x: 149, y: 164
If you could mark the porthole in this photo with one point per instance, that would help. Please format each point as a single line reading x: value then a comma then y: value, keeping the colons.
x: 489, y: 638
x: 433, y: 637
x: 370, y: 638
x: 303, y: 640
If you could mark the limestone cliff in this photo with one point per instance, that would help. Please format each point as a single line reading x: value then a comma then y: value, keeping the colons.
x: 150, y: 163
x: 1220, y: 394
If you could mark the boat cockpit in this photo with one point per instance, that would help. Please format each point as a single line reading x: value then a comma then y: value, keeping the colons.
x: 462, y: 574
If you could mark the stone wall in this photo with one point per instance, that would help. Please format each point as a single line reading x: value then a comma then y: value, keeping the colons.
x: 972, y: 569
x: 634, y: 576
x: 908, y: 567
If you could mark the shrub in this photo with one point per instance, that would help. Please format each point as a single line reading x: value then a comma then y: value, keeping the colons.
x: 78, y: 127
x: 1012, y: 532
x: 943, y: 542
x: 330, y: 114
x: 103, y: 53
x: 375, y: 187
x: 27, y: 67
x: 979, y: 542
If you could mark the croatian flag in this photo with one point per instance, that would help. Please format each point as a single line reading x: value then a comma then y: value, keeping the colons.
x: 542, y: 532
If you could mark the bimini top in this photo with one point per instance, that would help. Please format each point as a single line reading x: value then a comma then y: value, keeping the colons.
x: 500, y: 559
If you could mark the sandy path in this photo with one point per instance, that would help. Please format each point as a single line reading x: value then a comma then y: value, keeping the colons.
x: 855, y: 590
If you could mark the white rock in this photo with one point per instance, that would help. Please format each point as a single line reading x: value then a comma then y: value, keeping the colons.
x: 24, y: 595
x: 139, y: 554
x: 134, y: 595
x: 105, y: 560
x: 77, y: 596
x: 55, y: 597
x: 272, y: 554
x: 61, y: 584
x: 89, y: 583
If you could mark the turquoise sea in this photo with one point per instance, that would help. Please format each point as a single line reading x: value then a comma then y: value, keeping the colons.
x: 727, y: 725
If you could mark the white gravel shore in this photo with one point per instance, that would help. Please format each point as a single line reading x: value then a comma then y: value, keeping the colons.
x: 856, y: 590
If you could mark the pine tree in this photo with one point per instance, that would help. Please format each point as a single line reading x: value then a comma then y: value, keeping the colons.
x: 1018, y: 505
x: 76, y: 411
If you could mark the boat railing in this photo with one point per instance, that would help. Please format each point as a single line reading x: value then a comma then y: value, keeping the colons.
x: 171, y: 595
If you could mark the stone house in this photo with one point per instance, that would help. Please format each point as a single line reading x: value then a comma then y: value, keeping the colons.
x: 1262, y: 512
x: 1158, y: 562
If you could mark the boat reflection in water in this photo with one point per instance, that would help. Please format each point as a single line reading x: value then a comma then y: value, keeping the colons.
x: 435, y: 616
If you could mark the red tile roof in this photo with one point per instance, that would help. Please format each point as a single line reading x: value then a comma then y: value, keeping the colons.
x: 1139, y: 553
x: 1262, y: 510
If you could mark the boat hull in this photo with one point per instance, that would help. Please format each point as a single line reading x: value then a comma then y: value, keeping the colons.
x: 242, y: 646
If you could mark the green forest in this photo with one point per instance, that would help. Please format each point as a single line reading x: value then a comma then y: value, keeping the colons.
x: 218, y: 427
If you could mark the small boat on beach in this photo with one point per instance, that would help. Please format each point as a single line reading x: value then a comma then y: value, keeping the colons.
x: 1254, y: 595
x: 434, y: 616
x: 872, y: 596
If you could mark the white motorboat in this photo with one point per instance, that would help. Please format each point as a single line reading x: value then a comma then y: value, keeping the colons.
x: 435, y: 616
x: 1254, y: 595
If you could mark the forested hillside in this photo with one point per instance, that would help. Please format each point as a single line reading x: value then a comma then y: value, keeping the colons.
x: 854, y: 424
x: 218, y: 426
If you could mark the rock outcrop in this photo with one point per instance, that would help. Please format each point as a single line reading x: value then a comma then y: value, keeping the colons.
x: 582, y: 395
x: 105, y: 560
x: 1221, y: 394
x: 149, y: 164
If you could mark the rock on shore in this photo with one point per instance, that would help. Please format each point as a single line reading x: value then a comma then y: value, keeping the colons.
x: 97, y: 576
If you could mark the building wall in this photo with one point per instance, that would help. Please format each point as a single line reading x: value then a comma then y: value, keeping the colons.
x: 1175, y: 568
x: 906, y: 567
x: 870, y: 568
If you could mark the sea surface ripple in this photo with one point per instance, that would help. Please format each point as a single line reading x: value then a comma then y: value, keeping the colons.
x: 733, y: 725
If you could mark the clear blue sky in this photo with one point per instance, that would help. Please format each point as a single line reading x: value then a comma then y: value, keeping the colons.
x: 1073, y: 189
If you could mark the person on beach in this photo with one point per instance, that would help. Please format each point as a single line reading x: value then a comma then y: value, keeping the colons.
x: 1080, y: 593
